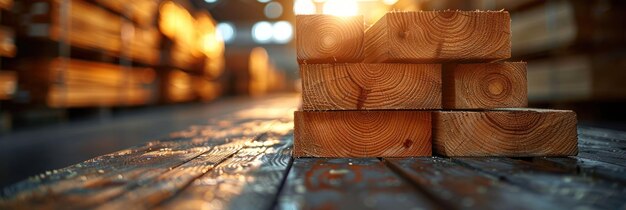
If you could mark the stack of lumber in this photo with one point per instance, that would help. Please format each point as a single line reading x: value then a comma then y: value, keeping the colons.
x: 87, y: 26
x: 64, y: 82
x: 415, y: 83
x: 101, y: 26
x: 190, y: 44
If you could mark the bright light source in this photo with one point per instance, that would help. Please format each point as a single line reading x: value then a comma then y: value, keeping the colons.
x: 262, y: 32
x: 303, y: 7
x: 263, y: 1
x: 210, y: 1
x: 227, y: 31
x: 390, y: 2
x: 283, y: 31
x: 273, y: 10
x: 341, y: 7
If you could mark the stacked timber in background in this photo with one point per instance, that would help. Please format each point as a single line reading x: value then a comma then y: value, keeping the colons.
x: 574, y: 48
x: 191, y: 53
x: 118, y: 41
x: 8, y: 78
x: 432, y: 78
x: 84, y: 54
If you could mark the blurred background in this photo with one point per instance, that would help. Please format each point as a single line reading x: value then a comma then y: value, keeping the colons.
x: 114, y: 65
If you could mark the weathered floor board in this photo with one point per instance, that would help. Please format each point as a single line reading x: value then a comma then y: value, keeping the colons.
x: 95, y: 188
x: 348, y: 184
x: 249, y: 179
x: 587, y: 167
x: 461, y: 188
x: 243, y: 160
x: 554, y: 182
x: 164, y: 186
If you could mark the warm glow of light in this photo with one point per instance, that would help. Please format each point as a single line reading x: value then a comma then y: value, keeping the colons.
x: 258, y: 69
x: 262, y: 32
x: 341, y: 7
x: 390, y: 2
x: 303, y: 7
x: 176, y: 23
x: 282, y: 32
x: 209, y: 41
x: 227, y: 31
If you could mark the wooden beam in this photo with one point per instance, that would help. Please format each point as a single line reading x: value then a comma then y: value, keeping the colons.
x: 485, y: 85
x: 362, y: 134
x: 358, y: 86
x: 439, y: 36
x: 505, y: 132
x: 329, y: 39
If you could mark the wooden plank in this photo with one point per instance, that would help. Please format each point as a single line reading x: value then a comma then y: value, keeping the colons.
x: 583, y: 192
x: 588, y: 167
x: 462, y: 188
x: 248, y: 180
x: 606, y: 147
x: 439, y: 36
x: 169, y: 183
x: 485, y: 85
x: 362, y: 86
x: 362, y: 134
x: 83, y: 193
x: 91, y: 27
x: 348, y: 184
x: 505, y: 132
x: 329, y: 39
x: 108, y: 178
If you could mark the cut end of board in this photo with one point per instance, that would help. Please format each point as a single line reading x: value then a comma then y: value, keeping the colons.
x: 362, y: 134
x: 329, y: 39
x: 360, y: 86
x: 485, y: 85
x: 439, y: 37
x: 505, y: 132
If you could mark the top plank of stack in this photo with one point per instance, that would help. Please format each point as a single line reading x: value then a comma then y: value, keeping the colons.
x: 439, y: 37
x: 406, y: 37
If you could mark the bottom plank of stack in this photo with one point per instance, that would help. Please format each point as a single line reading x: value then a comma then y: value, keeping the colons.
x: 362, y: 134
x: 505, y: 132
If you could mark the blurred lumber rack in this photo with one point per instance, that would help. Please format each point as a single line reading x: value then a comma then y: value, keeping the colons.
x: 574, y: 48
x: 119, y: 36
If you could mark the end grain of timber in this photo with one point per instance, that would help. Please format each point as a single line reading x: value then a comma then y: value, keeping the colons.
x: 439, y: 37
x: 329, y: 39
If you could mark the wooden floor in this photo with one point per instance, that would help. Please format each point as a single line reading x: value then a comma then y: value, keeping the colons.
x: 242, y: 160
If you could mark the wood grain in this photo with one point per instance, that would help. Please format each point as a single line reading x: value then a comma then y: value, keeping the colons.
x: 564, y: 186
x: 485, y: 85
x: 250, y: 179
x: 459, y: 187
x: 329, y: 39
x: 362, y: 134
x: 505, y: 132
x: 439, y: 36
x: 361, y: 86
x: 364, y: 183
